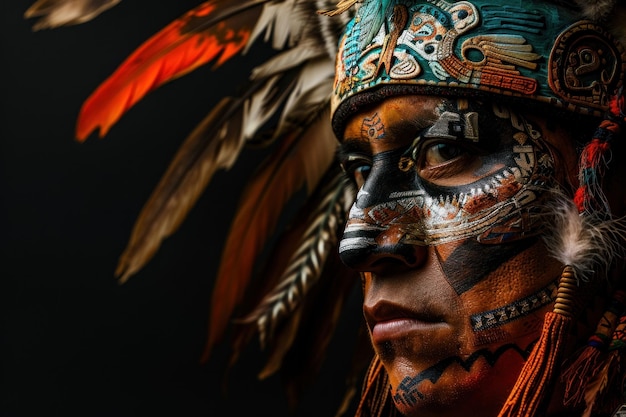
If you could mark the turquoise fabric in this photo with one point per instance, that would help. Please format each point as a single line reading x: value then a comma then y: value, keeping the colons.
x: 527, y: 49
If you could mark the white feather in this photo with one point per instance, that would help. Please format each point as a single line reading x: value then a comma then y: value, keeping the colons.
x: 586, y: 243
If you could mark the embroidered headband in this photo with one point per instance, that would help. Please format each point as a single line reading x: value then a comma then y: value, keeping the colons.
x: 521, y: 50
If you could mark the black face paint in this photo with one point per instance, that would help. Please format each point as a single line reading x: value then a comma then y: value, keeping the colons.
x: 472, y: 261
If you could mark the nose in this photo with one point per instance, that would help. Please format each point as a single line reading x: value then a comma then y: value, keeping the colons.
x: 386, y: 253
x: 385, y: 229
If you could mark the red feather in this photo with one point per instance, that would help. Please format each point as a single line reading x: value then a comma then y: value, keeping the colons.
x: 176, y: 50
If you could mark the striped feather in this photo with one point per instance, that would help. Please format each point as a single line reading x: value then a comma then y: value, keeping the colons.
x: 324, y: 224
x: 300, y: 160
x: 301, y: 344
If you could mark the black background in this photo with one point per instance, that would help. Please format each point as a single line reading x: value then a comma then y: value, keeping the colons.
x: 75, y: 343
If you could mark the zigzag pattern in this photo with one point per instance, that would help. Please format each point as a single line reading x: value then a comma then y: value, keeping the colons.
x: 408, y: 394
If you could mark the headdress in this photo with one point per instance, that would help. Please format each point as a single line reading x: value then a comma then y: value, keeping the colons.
x: 562, y: 55
x: 539, y: 52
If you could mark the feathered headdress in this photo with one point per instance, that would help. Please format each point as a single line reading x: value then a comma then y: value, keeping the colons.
x: 283, y: 106
x: 286, y: 106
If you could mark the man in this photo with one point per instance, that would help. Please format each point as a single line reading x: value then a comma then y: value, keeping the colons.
x: 466, y: 127
x: 484, y: 138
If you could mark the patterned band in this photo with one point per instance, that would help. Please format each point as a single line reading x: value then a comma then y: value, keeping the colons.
x: 524, y: 49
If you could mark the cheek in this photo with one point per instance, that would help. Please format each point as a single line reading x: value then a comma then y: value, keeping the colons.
x: 508, y: 304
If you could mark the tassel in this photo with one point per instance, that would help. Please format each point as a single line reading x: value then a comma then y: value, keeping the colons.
x: 536, y: 378
x: 593, y: 160
x: 588, y: 362
x: 375, y: 397
x: 611, y: 392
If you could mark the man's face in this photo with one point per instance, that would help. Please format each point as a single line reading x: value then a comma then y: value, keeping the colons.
x: 446, y: 232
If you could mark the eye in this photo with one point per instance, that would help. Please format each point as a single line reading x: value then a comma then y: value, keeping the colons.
x: 448, y: 162
x: 441, y: 153
x: 357, y: 167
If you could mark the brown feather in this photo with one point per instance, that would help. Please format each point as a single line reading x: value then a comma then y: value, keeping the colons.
x: 306, y: 323
x: 300, y: 160
x: 340, y: 8
x: 56, y: 13
x: 324, y: 309
x: 595, y: 388
x: 178, y: 190
x: 323, y: 224
x: 214, y: 144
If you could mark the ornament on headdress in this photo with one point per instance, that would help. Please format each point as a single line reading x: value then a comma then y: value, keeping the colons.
x: 534, y: 52
x: 595, y: 157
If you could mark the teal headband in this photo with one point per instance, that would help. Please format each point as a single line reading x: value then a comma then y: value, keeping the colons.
x: 523, y: 50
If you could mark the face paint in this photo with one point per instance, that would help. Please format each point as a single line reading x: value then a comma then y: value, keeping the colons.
x: 445, y: 229
x: 430, y: 195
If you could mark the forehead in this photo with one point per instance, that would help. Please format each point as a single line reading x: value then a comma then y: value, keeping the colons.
x: 395, y: 120
x: 391, y: 117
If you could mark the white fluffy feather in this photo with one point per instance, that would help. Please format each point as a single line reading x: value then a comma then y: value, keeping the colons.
x: 586, y: 243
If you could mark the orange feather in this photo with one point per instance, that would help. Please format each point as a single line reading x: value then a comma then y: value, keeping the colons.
x: 179, y: 48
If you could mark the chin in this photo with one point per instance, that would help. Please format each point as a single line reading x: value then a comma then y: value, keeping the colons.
x: 445, y: 389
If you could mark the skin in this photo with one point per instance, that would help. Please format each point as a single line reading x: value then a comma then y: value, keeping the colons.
x: 437, y: 276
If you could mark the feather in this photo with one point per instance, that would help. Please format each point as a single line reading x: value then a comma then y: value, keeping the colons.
x: 214, y: 144
x: 582, y: 241
x: 207, y: 33
x: 373, y: 14
x: 299, y: 160
x: 214, y: 31
x: 310, y: 90
x: 280, y: 23
x: 595, y: 388
x: 321, y: 285
x: 321, y: 314
x: 288, y: 59
x: 55, y: 13
x: 278, y: 261
x: 309, y: 95
x: 297, y: 83
x: 340, y: 8
x: 325, y: 222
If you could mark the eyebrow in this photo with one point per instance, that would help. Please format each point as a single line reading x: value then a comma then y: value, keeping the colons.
x: 356, y: 144
x: 400, y: 128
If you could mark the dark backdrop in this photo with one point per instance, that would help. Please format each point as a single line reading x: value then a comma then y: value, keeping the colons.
x: 75, y: 343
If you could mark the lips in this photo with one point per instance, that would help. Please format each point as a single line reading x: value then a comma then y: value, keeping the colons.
x: 388, y: 321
